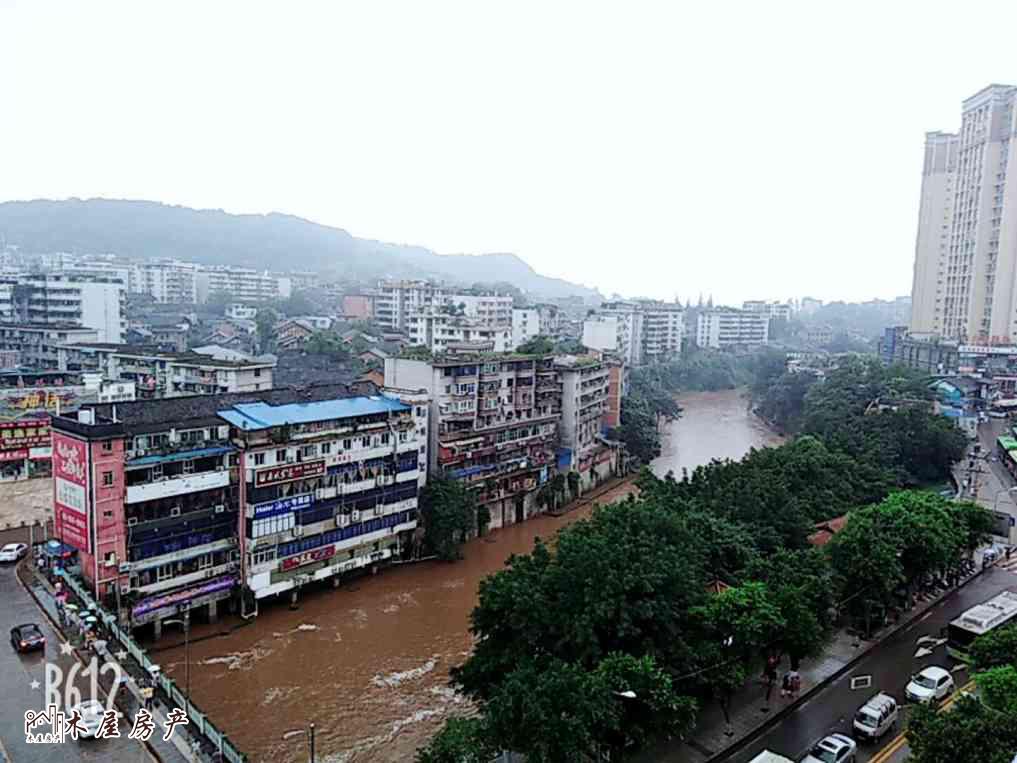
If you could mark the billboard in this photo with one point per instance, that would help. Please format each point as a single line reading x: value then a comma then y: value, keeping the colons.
x: 70, y: 491
x: 275, y: 475
x: 18, y: 403
x: 26, y: 433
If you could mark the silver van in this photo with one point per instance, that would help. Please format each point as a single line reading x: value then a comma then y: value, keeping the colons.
x: 876, y: 717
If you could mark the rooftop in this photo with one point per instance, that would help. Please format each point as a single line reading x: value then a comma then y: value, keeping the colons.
x: 44, y: 326
x: 261, y: 415
x: 197, y: 410
x: 152, y: 351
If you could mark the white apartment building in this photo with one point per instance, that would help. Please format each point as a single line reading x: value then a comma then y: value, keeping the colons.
x: 396, y: 300
x: 7, y: 286
x: 525, y: 325
x: 637, y: 332
x: 242, y: 284
x: 240, y: 311
x: 437, y: 330
x: 583, y: 403
x: 932, y: 244
x: 965, y: 275
x: 550, y: 320
x: 166, y: 281
x: 91, y: 301
x: 38, y: 344
x: 778, y: 310
x: 725, y: 328
x: 488, y: 309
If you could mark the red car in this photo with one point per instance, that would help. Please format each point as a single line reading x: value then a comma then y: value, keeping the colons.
x: 25, y: 638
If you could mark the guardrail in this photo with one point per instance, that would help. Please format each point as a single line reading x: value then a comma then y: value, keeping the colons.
x: 198, y: 720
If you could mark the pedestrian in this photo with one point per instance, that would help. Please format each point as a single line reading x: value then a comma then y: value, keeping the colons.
x: 147, y: 692
x: 785, y: 685
x: 796, y: 683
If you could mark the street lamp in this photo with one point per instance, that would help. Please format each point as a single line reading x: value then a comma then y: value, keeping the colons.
x: 186, y: 622
x: 309, y: 731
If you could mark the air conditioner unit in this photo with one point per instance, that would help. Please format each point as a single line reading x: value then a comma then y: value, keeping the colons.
x: 297, y: 531
x: 220, y: 508
x: 175, y: 511
x: 131, y: 521
x: 355, y: 516
x: 341, y: 520
x: 125, y: 567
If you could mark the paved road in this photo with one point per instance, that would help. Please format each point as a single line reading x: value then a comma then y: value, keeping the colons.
x: 890, y: 665
x: 18, y: 695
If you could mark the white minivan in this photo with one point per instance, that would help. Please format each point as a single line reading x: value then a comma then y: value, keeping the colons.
x: 876, y: 717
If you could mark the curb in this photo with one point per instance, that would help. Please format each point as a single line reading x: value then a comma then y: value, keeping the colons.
x: 152, y: 752
x: 785, y: 711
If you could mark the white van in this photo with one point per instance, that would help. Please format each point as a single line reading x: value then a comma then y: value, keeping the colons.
x: 876, y: 717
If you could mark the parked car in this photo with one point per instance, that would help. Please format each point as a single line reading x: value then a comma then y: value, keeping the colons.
x: 931, y: 684
x: 770, y: 757
x: 836, y: 748
x: 12, y: 552
x: 26, y: 637
x: 91, y: 712
x: 876, y: 717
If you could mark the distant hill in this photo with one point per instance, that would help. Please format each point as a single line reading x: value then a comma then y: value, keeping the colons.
x: 274, y: 242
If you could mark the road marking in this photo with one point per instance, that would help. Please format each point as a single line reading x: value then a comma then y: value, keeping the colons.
x: 901, y: 739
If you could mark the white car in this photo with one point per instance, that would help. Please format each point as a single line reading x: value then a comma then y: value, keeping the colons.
x: 836, y: 748
x: 91, y: 712
x: 932, y: 684
x: 12, y: 552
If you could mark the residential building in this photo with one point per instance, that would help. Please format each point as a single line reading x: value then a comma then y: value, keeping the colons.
x: 357, y: 307
x: 159, y: 374
x: 585, y: 391
x: 241, y: 284
x: 779, y: 310
x: 617, y: 385
x: 164, y: 500
x: 292, y: 333
x: 550, y: 320
x: 90, y: 301
x: 241, y: 311
x: 726, y: 328
x: 525, y: 325
x: 438, y: 330
x: 328, y: 487
x: 493, y: 424
x: 38, y: 343
x: 965, y: 276
x: 818, y: 336
x: 491, y: 310
x: 396, y: 300
x: 166, y: 281
x: 7, y: 290
x: 637, y: 332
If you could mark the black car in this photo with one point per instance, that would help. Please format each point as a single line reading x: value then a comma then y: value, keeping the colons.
x: 25, y: 638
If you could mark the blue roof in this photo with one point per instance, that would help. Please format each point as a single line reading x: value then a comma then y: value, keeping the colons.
x: 180, y: 455
x: 261, y: 415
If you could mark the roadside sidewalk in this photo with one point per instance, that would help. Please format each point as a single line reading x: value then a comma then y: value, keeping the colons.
x: 750, y: 711
x: 128, y: 697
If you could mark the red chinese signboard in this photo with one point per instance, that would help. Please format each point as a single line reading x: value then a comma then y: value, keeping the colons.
x: 308, y: 557
x: 288, y: 472
x: 26, y: 433
x: 70, y: 491
x: 13, y: 455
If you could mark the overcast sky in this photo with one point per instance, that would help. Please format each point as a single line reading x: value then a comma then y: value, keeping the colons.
x: 748, y: 149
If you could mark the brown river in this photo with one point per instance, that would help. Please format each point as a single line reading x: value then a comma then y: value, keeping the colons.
x: 368, y: 663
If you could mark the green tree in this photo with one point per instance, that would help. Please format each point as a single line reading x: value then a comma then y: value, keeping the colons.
x: 998, y: 689
x: 538, y: 345
x: 460, y: 740
x: 265, y: 321
x: 970, y: 731
x: 996, y: 648
x: 448, y: 511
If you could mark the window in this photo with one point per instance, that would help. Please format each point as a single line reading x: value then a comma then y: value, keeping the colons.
x: 111, y: 557
x: 309, y: 451
x: 107, y: 446
x: 280, y: 456
x: 326, y: 448
x: 164, y: 572
x: 265, y: 555
x: 384, y: 438
x: 107, y: 479
x: 259, y: 459
x: 347, y: 444
x: 257, y: 372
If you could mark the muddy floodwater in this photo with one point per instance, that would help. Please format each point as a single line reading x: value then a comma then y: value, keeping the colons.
x: 368, y: 663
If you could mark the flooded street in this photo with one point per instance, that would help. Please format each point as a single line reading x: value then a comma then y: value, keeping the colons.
x: 368, y: 663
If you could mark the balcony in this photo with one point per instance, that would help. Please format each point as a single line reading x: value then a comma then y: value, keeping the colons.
x: 188, y: 483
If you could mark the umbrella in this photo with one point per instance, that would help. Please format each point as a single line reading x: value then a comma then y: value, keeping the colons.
x: 72, y: 607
